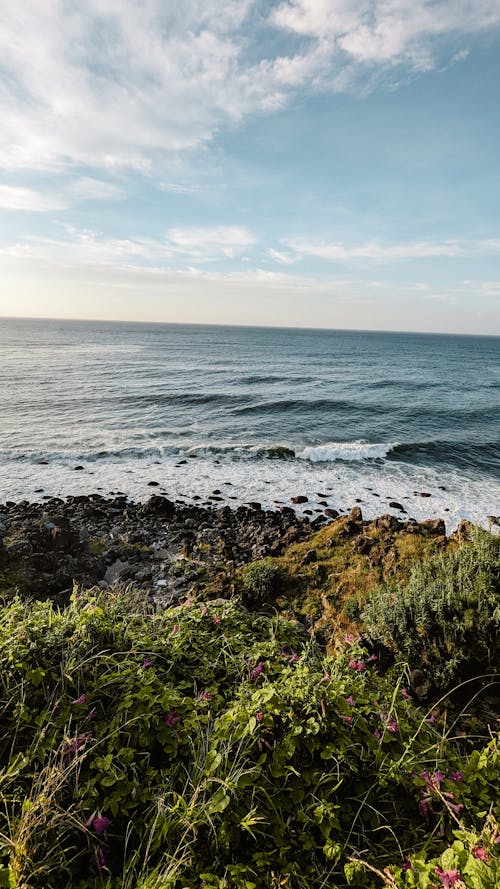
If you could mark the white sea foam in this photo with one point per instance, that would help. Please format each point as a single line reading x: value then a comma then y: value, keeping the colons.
x: 352, y: 451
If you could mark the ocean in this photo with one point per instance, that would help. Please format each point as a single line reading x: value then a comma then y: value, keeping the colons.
x: 255, y: 414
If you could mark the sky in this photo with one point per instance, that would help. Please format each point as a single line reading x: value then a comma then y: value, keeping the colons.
x: 318, y: 163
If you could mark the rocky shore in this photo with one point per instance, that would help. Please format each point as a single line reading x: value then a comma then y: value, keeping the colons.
x: 171, y: 549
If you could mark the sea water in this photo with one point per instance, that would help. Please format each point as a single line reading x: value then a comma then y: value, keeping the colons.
x: 258, y: 414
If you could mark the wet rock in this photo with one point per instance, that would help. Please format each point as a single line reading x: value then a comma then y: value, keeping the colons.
x: 493, y: 519
x: 355, y: 515
x: 301, y: 498
x: 434, y: 527
x: 153, y: 484
x: 395, y: 505
x: 422, y: 494
x: 388, y: 523
x: 77, y: 468
x: 332, y: 513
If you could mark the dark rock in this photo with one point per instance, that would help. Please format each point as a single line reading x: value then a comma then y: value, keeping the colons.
x: 363, y: 545
x: 388, y: 523
x: 153, y: 484
x: 434, y: 527
x: 422, y: 494
x: 493, y: 519
x: 301, y: 498
x: 355, y: 515
x: 332, y: 513
x: 117, y: 571
x: 77, y: 468
x: 309, y: 557
x: 395, y: 505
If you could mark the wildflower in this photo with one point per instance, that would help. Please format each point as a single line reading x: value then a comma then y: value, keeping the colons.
x: 347, y: 719
x: 480, y: 853
x: 326, y: 677
x: 78, y: 742
x: 146, y: 663
x: 404, y: 694
x: 356, y: 665
x: 92, y: 714
x: 171, y: 718
x: 448, y: 877
x: 255, y: 673
x: 99, y: 858
x: 204, y: 611
x: 204, y: 696
x: 391, y: 723
x: 372, y: 659
x: 456, y: 776
x: 81, y: 700
x: 455, y: 807
x: 377, y: 734
x: 175, y: 629
x: 433, y: 782
x: 284, y: 651
x: 425, y: 806
x: 407, y: 865
x: 294, y: 657
x: 99, y: 823
x: 350, y: 639
x: 216, y: 619
x: 351, y: 701
x: 431, y: 719
x: 259, y: 716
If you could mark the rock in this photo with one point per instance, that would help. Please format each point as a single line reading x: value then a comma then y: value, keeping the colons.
x: 301, y: 498
x: 363, y: 545
x: 422, y: 494
x: 434, y: 527
x: 388, y: 523
x: 280, y: 452
x: 309, y: 557
x: 77, y: 468
x: 395, y: 505
x: 355, y: 515
x: 153, y: 484
x: 493, y: 519
x: 117, y: 571
x: 254, y: 504
x: 332, y: 513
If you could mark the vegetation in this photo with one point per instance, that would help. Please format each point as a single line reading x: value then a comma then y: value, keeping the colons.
x: 446, y: 619
x: 210, y: 746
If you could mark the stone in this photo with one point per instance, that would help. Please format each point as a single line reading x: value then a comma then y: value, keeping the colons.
x: 434, y: 527
x: 301, y: 498
x: 395, y: 505
x: 332, y: 513
x: 117, y: 571
x: 355, y: 515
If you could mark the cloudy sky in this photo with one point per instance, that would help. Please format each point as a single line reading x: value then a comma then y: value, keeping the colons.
x: 324, y: 163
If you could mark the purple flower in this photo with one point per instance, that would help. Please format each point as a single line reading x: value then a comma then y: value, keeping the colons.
x: 78, y: 742
x: 259, y: 716
x: 480, y: 853
x: 92, y: 714
x: 407, y: 865
x: 456, y: 776
x: 146, y: 663
x: 98, y: 858
x: 326, y: 677
x: 204, y: 696
x: 356, y: 665
x: 372, y: 659
x: 216, y: 619
x: 347, y: 719
x: 404, y: 694
x: 455, y: 807
x: 431, y: 719
x: 351, y: 701
x: 81, y: 700
x: 425, y: 806
x: 391, y: 723
x: 448, y: 877
x: 99, y: 823
x: 284, y: 651
x: 294, y: 657
x: 175, y: 629
x: 171, y: 718
x: 377, y: 734
x: 255, y: 673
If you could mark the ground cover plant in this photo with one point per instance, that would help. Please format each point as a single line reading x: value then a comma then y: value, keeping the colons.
x: 210, y: 746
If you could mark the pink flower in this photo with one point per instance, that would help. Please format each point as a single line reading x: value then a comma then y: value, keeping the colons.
x: 455, y: 807
x: 433, y: 782
x: 377, y: 734
x: 259, y: 716
x: 448, y: 877
x: 425, y: 806
x: 255, y: 673
x: 171, y: 718
x: 480, y: 853
x: 294, y: 657
x: 78, y: 742
x: 407, y: 865
x: 81, y: 700
x: 204, y: 696
x: 326, y: 677
x: 351, y: 701
x: 99, y: 859
x: 347, y: 719
x: 356, y: 665
x: 175, y: 629
x: 216, y: 619
x: 146, y: 663
x: 350, y: 639
x: 372, y: 659
x: 391, y: 723
x: 404, y: 694
x: 431, y: 719
x: 92, y: 714
x: 456, y: 776
x: 98, y: 823
x: 204, y: 611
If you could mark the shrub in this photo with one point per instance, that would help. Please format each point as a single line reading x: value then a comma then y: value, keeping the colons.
x: 262, y: 580
x: 445, y: 620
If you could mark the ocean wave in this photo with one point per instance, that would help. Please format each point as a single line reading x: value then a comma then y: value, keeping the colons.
x: 352, y: 451
x: 310, y: 405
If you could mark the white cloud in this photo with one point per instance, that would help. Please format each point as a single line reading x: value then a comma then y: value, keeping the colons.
x: 17, y: 198
x: 281, y: 256
x: 374, y: 251
x: 111, y: 84
x: 89, y: 189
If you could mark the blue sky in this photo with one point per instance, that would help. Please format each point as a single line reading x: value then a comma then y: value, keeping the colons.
x: 324, y: 163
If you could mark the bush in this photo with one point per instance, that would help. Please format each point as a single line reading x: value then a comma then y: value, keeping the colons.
x: 445, y: 620
x: 261, y: 580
